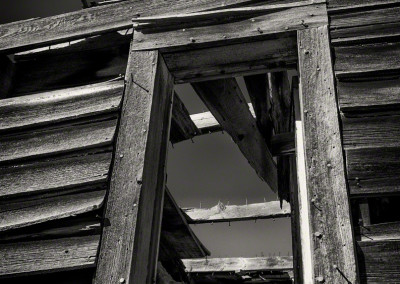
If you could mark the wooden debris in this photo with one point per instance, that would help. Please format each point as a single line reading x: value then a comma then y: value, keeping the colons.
x: 230, y: 213
x: 226, y: 102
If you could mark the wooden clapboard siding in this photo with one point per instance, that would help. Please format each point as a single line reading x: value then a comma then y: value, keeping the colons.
x: 175, y: 230
x: 373, y: 171
x: 92, y: 21
x: 27, y: 213
x: 367, y: 59
x: 182, y: 126
x: 379, y: 232
x: 226, y: 102
x: 330, y: 223
x: 56, y: 173
x: 339, y: 5
x: 369, y: 95
x: 56, y: 106
x: 371, y: 131
x: 228, y: 213
x: 48, y: 255
x: 224, y: 61
x: 379, y: 261
x: 129, y: 246
x: 238, y: 264
x: 51, y: 141
x: 296, y: 17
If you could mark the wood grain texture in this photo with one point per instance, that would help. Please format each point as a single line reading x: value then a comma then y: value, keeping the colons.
x: 367, y: 59
x: 227, y: 104
x: 92, y: 21
x: 333, y: 241
x: 51, y: 141
x: 335, y: 6
x: 56, y: 106
x: 369, y: 96
x: 55, y: 174
x: 182, y: 126
x: 380, y: 232
x: 238, y: 264
x: 134, y: 206
x: 48, y: 256
x: 373, y: 171
x: 371, y: 131
x: 273, y: 23
x: 379, y: 261
x: 229, y: 213
x: 225, y: 61
x: 22, y: 214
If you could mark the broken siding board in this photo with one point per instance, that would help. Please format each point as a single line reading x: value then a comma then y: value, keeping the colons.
x: 228, y: 105
x: 55, y: 174
x: 28, y: 213
x: 48, y: 255
x: 373, y: 171
x: 238, y: 264
x: 231, y: 60
x: 371, y: 131
x: 57, y: 140
x: 62, y: 28
x: 56, y: 106
x: 380, y: 232
x: 228, y: 213
x: 260, y: 27
x: 369, y: 96
x: 182, y: 126
x: 330, y: 222
x: 379, y: 261
x: 367, y: 59
x: 134, y: 206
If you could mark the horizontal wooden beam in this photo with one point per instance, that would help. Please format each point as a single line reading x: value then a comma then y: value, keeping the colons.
x: 280, y: 263
x: 183, y: 31
x: 230, y: 213
x: 92, y: 21
x: 379, y: 232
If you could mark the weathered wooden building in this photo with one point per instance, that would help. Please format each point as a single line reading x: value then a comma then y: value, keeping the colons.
x: 88, y: 107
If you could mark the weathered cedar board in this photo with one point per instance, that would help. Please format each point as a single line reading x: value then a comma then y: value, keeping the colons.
x: 51, y: 141
x: 48, y: 255
x: 228, y: 213
x: 134, y: 206
x: 333, y: 242
x: 56, y: 106
x: 380, y: 232
x: 22, y: 214
x: 224, y: 61
x: 373, y: 171
x: 226, y: 102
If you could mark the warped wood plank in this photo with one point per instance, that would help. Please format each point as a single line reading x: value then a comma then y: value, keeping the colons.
x: 330, y: 222
x: 371, y: 131
x: 58, y: 140
x: 380, y: 232
x: 176, y: 231
x: 48, y: 255
x: 92, y: 21
x: 379, y: 261
x: 228, y: 105
x: 231, y: 60
x: 373, y: 171
x: 369, y: 96
x: 182, y: 126
x: 367, y: 59
x: 239, y: 264
x: 129, y: 246
x: 22, y: 214
x: 55, y: 174
x: 60, y: 105
x: 281, y: 21
x: 229, y: 213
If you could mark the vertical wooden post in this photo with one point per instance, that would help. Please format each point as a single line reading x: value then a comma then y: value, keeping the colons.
x: 131, y: 231
x: 334, y: 257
